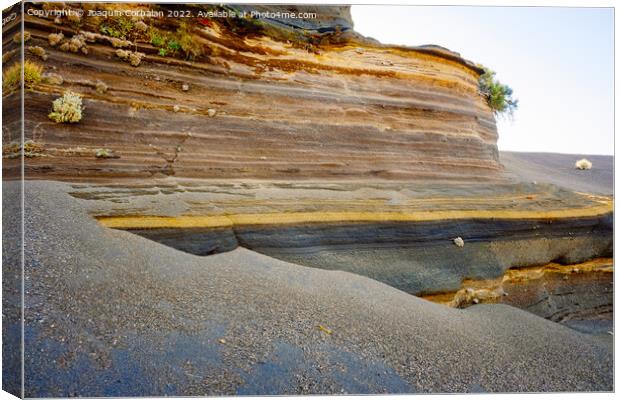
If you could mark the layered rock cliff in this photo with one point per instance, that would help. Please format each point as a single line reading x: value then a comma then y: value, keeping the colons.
x: 255, y: 98
x: 396, y: 145
x: 211, y: 93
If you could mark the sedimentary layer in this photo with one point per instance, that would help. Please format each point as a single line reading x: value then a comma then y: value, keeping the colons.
x: 396, y: 232
x: 577, y: 295
x: 254, y: 105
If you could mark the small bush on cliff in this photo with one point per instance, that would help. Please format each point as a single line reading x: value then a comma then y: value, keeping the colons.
x: 67, y: 108
x: 104, y: 153
x: 180, y: 41
x: 190, y: 46
x: 11, y: 78
x: 583, y: 164
x: 157, y: 38
x: 31, y: 149
x: 118, y: 27
x: 132, y: 57
x: 38, y: 51
x: 497, y: 95
x: 17, y: 38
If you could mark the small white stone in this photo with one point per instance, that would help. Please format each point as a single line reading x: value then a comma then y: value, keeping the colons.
x: 211, y: 112
x: 476, y: 301
x: 176, y: 108
x: 185, y: 87
x: 459, y: 242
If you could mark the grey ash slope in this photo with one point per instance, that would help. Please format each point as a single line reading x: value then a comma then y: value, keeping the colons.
x: 111, y: 313
x: 559, y: 169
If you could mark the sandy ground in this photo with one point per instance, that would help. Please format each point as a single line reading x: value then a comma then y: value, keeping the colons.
x: 559, y: 169
x: 109, y: 313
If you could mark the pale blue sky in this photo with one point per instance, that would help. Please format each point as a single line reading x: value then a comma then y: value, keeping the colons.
x: 559, y: 61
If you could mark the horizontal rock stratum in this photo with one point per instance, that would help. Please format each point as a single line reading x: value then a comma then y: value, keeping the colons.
x: 285, y: 108
x: 400, y: 233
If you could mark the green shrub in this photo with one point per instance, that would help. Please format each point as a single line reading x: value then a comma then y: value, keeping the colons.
x: 173, y: 45
x: 67, y: 108
x: 166, y: 44
x: 157, y: 38
x: 497, y: 95
x: 119, y: 27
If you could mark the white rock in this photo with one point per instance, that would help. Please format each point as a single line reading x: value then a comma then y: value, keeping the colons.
x: 211, y: 112
x: 459, y: 241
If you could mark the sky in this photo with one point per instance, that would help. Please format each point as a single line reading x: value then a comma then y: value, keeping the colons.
x: 558, y: 61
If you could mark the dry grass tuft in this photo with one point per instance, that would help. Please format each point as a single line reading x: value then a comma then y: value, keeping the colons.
x: 11, y: 78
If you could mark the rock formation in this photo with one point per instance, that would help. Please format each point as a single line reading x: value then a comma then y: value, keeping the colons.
x: 296, y: 138
x: 334, y: 105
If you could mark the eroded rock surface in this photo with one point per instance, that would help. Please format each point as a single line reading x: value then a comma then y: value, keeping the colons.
x: 578, y: 295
